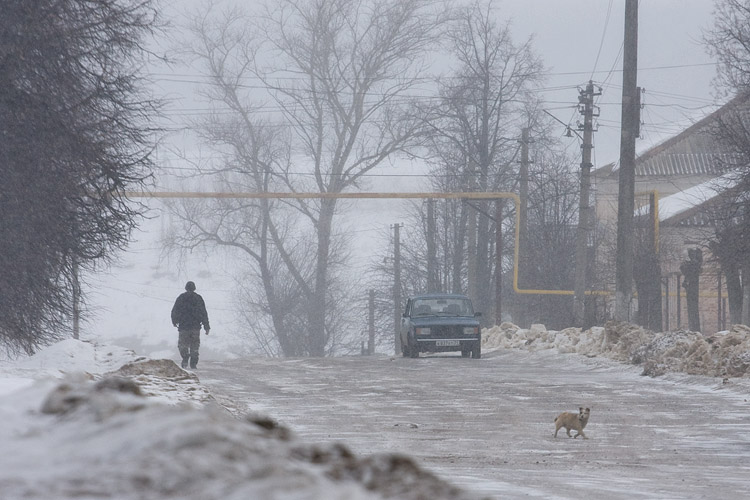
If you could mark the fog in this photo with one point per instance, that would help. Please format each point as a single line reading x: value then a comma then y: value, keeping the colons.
x: 577, y: 40
x: 104, y: 439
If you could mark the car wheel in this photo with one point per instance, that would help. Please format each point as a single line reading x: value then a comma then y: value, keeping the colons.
x: 476, y: 352
x: 413, y: 349
x: 465, y: 353
x: 404, y: 345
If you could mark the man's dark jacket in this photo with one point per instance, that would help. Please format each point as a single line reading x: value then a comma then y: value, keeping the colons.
x: 189, y: 312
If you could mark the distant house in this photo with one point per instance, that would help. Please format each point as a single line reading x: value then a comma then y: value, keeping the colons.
x: 685, y: 172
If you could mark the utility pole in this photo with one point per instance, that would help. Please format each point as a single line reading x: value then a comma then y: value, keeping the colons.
x: 397, y: 287
x: 586, y: 108
x: 679, y: 302
x: 628, y: 134
x: 471, y: 253
x: 499, y: 260
x: 371, y: 323
x: 432, y: 281
x: 523, y: 230
x: 76, y: 300
x: 523, y: 193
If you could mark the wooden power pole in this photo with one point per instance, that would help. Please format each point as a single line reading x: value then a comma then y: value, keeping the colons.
x: 523, y: 193
x: 628, y: 134
x: 76, y: 300
x: 397, y: 288
x: 371, y: 323
x: 583, y: 234
x: 432, y: 282
x: 499, y: 257
x: 523, y: 232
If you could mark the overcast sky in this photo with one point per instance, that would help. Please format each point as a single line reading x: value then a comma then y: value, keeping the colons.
x: 568, y: 34
x: 580, y: 40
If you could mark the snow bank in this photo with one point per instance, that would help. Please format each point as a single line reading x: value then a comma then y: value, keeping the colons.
x: 83, y: 429
x: 725, y: 354
x: 71, y: 355
x: 164, y: 381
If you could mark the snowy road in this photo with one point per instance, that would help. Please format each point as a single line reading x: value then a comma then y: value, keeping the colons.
x: 487, y: 425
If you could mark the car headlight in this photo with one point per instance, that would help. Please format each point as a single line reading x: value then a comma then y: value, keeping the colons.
x: 471, y: 330
x: 423, y: 331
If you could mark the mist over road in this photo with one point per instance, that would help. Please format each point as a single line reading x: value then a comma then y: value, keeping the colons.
x: 487, y: 426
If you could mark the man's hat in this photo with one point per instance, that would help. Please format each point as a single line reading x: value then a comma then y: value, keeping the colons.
x: 190, y: 286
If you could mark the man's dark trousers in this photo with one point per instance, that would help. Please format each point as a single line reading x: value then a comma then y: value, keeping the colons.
x: 188, y: 345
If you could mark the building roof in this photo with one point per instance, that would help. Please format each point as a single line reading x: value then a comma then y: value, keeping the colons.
x: 694, y: 151
x: 683, y: 164
x: 685, y: 204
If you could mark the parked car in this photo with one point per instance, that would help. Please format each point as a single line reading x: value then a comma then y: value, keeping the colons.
x: 440, y: 322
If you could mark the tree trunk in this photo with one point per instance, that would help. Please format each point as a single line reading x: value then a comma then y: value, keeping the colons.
x: 483, y: 274
x: 317, y: 313
x: 745, y: 305
x: 433, y: 284
x: 471, y: 252
x: 458, y: 251
x: 691, y: 269
x: 734, y: 291
x: 648, y: 285
x: 653, y: 297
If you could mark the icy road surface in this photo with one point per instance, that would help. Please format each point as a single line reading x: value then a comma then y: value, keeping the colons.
x: 487, y: 425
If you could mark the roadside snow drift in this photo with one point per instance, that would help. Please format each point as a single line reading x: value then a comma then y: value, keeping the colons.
x: 149, y: 430
x: 724, y: 354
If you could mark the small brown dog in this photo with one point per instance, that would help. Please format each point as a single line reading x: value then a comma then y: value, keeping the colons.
x: 571, y: 421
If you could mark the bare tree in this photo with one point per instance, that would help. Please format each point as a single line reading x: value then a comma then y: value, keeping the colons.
x: 477, y: 129
x: 730, y: 246
x: 729, y: 42
x: 647, y: 275
x: 75, y: 132
x: 550, y: 244
x: 338, y: 75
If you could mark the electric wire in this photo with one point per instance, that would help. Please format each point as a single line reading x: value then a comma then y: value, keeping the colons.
x: 601, y: 42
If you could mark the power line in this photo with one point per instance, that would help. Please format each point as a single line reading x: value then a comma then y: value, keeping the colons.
x: 601, y: 42
x: 189, y: 77
x: 371, y: 175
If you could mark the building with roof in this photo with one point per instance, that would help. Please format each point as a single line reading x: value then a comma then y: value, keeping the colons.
x: 687, y: 175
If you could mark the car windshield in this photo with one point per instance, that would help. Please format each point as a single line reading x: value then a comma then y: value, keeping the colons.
x: 442, y: 307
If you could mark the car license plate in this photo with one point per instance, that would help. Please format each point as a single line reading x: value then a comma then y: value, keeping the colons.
x: 447, y: 343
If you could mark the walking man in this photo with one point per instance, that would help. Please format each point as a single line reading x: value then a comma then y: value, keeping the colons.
x: 188, y: 313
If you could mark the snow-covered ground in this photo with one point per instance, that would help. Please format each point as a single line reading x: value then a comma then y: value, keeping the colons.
x: 75, y: 426
x: 724, y: 354
x: 487, y: 425
x: 83, y: 419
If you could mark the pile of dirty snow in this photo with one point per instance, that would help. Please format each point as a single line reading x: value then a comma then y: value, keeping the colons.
x: 724, y: 354
x: 161, y: 379
x: 83, y: 420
